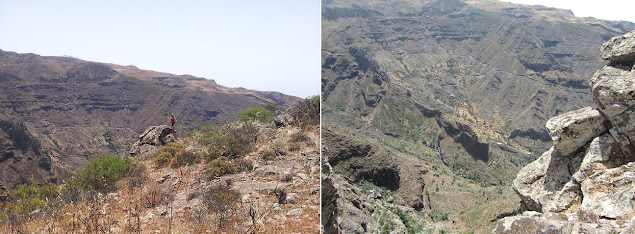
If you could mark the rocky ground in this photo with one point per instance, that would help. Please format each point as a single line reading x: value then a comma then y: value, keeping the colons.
x: 280, y: 195
x: 585, y: 182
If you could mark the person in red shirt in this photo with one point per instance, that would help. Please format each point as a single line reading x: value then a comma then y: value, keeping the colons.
x: 172, y: 121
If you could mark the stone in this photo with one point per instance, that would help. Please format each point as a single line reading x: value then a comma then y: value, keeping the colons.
x: 620, y: 48
x: 4, y: 194
x: 603, y: 153
x: 624, y: 126
x: 586, y: 182
x: 292, y: 198
x: 613, y: 89
x: 150, y: 140
x: 114, y: 196
x: 163, y: 179
x: 551, y: 223
x: 294, y: 212
x: 572, y: 130
x: 610, y: 193
x: 544, y: 185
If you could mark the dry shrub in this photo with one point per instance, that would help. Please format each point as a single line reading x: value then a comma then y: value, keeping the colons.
x: 223, y: 201
x: 219, y: 167
x: 267, y: 154
x: 306, y: 112
x: 174, y: 155
x: 240, y: 139
x: 243, y: 165
x: 299, y: 137
x: 152, y: 195
x: 294, y: 146
x: 281, y: 195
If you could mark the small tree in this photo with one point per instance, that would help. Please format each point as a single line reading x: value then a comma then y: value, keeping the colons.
x: 102, y: 173
x: 256, y: 114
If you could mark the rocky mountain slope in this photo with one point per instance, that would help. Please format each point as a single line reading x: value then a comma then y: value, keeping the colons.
x: 73, y: 110
x: 585, y: 182
x: 430, y: 108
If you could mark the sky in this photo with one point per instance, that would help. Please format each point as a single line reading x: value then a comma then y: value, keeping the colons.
x: 604, y: 9
x: 255, y: 44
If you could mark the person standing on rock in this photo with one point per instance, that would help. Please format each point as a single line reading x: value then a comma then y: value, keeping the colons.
x: 172, y: 121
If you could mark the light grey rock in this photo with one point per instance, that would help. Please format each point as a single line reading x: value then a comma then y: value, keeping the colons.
x: 610, y: 193
x: 603, y: 153
x: 294, y: 212
x: 572, y: 130
x: 586, y: 182
x: 544, y: 185
x: 613, y: 89
x: 554, y: 223
x: 620, y: 48
x: 624, y: 125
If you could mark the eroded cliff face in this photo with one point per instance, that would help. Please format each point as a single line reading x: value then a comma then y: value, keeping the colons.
x: 586, y: 182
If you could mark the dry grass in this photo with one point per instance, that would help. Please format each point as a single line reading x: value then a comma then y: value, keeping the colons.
x: 146, y: 202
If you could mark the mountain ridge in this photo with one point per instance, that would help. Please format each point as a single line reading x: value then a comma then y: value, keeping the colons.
x: 78, y: 109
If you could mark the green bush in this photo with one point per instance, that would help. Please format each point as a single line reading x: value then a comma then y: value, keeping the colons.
x: 306, y: 112
x: 256, y: 114
x: 102, y: 172
x: 29, y: 197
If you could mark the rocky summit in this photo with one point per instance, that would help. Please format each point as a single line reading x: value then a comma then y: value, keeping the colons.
x: 586, y: 182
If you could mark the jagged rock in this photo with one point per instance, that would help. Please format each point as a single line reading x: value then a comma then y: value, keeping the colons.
x: 624, y: 130
x: 150, y: 140
x: 542, y: 182
x: 610, y: 193
x: 603, y: 153
x: 572, y: 130
x: 283, y: 120
x: 534, y: 222
x: 354, y: 214
x: 613, y: 89
x: 590, y: 191
x: 156, y: 135
x: 620, y: 48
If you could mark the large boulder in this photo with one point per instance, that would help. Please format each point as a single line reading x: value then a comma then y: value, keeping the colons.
x: 613, y: 89
x: 572, y: 130
x: 150, y: 141
x: 545, y: 184
x: 620, y: 48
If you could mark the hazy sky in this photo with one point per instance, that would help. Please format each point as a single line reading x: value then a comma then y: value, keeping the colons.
x: 603, y: 9
x: 262, y: 45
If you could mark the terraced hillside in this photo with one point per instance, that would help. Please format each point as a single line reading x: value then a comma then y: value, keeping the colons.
x: 431, y: 107
x: 73, y: 110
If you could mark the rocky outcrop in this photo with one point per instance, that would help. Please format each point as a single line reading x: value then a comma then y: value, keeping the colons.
x: 23, y: 157
x: 585, y: 182
x: 150, y: 140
